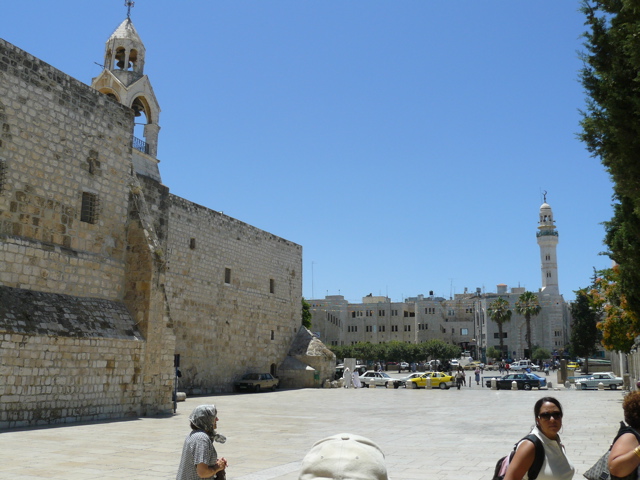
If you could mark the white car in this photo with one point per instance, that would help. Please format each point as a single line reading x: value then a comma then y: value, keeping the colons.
x: 608, y: 379
x: 374, y: 379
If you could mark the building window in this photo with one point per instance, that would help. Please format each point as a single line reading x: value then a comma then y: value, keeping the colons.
x: 407, y: 328
x: 227, y: 275
x: 273, y: 335
x: 382, y: 328
x: 353, y: 314
x: 464, y: 331
x: 192, y: 244
x: 89, y: 209
x: 496, y: 335
x: 381, y: 313
x: 394, y: 328
x: 3, y: 175
x: 272, y: 285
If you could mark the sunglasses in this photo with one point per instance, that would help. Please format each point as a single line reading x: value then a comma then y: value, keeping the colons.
x: 548, y: 415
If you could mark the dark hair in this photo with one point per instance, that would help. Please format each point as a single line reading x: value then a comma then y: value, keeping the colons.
x: 538, y: 405
x: 631, y: 407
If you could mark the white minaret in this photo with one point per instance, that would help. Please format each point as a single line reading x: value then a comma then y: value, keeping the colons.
x: 548, y: 240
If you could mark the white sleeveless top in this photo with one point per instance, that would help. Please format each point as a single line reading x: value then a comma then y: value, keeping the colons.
x: 556, y: 465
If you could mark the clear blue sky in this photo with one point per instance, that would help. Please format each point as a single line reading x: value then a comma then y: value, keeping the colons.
x: 404, y: 144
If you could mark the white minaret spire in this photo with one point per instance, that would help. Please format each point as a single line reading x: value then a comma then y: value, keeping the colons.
x: 548, y: 241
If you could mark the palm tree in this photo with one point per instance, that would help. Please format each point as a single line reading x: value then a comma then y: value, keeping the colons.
x: 499, y: 312
x: 528, y: 306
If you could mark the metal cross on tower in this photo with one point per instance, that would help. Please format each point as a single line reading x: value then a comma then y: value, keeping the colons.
x: 129, y: 4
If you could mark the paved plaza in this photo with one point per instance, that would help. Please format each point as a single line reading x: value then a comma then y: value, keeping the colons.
x: 441, y: 434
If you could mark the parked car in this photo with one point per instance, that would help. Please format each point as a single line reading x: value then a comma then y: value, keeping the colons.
x: 438, y: 380
x: 404, y: 380
x: 573, y: 365
x: 375, y: 379
x: 608, y: 379
x: 523, y: 365
x: 525, y: 381
x: 256, y: 382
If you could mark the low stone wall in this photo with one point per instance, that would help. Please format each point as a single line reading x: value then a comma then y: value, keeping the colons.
x: 61, y: 379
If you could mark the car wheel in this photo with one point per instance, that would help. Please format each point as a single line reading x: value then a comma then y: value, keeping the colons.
x: 414, y: 385
x: 443, y: 386
x: 273, y: 388
x: 256, y: 388
x: 583, y: 386
x: 526, y: 386
x: 613, y: 386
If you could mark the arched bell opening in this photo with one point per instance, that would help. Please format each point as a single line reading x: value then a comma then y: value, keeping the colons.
x: 144, y: 140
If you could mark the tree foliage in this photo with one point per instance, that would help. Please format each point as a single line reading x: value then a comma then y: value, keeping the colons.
x: 499, y: 312
x: 396, y: 351
x: 306, y: 314
x: 619, y: 324
x: 528, y: 306
x: 585, y: 335
x: 611, y: 129
x: 539, y: 355
x: 493, y: 352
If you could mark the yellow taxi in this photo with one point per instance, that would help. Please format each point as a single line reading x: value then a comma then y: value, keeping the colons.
x: 573, y: 365
x: 438, y: 380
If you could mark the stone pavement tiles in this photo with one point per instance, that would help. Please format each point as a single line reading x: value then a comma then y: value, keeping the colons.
x: 440, y: 434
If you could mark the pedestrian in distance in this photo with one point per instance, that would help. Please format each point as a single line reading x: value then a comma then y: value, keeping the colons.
x: 477, y: 373
x: 347, y: 377
x: 459, y: 378
x: 199, y: 457
x: 624, y: 458
x: 556, y: 466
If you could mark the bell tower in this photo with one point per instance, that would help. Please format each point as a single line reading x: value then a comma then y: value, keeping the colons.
x: 548, y: 240
x: 124, y: 80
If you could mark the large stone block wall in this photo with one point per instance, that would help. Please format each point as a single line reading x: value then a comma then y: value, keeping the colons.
x: 58, y: 139
x: 52, y: 379
x: 225, y: 329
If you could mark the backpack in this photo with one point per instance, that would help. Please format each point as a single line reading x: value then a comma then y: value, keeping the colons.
x: 502, y: 465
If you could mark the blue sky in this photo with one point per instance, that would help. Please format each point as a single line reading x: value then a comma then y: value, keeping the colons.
x: 404, y: 144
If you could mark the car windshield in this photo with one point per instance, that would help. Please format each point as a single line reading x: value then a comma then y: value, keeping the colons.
x: 251, y: 376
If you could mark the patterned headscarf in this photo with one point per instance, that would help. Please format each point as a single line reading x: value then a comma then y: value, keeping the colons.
x: 203, y: 417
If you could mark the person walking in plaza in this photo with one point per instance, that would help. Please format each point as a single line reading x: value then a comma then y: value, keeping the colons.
x: 199, y: 457
x: 459, y: 378
x: 356, y: 380
x: 477, y: 373
x: 625, y: 451
x: 547, y: 414
x: 347, y: 377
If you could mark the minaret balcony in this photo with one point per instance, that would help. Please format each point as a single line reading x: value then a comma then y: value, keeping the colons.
x: 545, y: 233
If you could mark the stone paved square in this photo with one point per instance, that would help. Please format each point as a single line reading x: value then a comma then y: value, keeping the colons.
x: 446, y: 434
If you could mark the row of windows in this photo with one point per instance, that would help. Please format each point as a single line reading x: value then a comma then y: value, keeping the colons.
x: 3, y: 175
x: 333, y: 319
x: 369, y: 313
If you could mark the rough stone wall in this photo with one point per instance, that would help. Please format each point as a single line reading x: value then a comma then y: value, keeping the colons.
x: 60, y: 139
x: 228, y: 327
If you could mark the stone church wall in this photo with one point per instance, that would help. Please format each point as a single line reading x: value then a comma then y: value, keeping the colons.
x: 226, y: 327
x: 59, y: 141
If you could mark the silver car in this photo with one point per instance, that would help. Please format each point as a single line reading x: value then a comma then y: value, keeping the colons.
x: 374, y: 379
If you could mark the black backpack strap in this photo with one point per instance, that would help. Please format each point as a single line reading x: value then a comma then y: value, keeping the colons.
x: 539, y: 458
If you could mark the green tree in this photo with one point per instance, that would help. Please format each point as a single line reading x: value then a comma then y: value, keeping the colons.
x: 306, y: 314
x: 528, y: 306
x: 439, y: 350
x: 611, y: 129
x: 585, y: 335
x: 619, y: 323
x: 499, y: 312
x: 493, y: 352
x: 540, y: 355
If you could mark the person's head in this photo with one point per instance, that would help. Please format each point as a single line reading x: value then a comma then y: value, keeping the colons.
x: 548, y: 416
x: 204, y: 417
x: 345, y: 456
x: 631, y: 407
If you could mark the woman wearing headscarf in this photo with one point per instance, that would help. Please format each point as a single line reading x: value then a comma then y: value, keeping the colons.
x: 199, y: 457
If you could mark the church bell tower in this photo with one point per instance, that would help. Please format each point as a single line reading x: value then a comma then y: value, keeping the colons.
x: 123, y: 79
x: 548, y: 241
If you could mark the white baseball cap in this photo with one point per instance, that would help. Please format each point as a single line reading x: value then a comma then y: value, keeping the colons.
x: 344, y: 457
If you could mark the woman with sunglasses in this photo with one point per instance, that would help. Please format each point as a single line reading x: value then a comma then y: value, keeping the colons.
x: 548, y: 417
x: 625, y: 452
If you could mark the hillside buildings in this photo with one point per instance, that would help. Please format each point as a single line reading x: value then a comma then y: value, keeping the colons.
x: 461, y: 320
